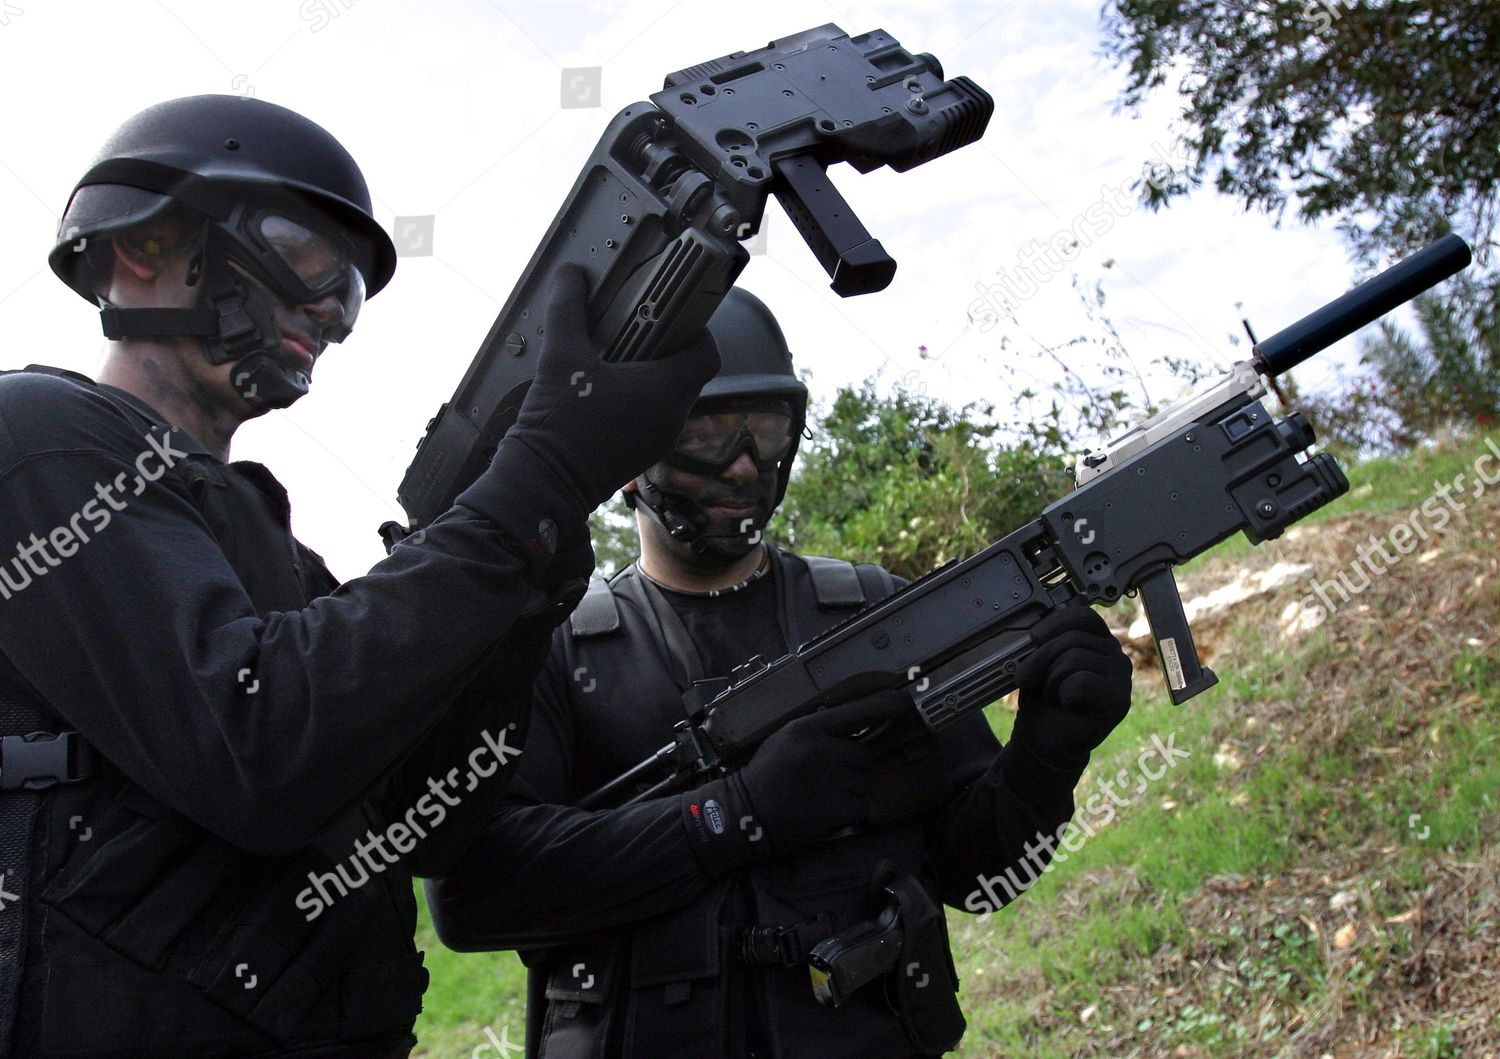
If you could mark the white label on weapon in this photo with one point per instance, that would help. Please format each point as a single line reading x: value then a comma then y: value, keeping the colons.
x: 1173, y: 663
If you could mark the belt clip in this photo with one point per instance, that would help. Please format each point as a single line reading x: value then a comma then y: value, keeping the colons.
x: 770, y: 946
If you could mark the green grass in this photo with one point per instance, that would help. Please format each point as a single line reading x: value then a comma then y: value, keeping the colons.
x: 468, y: 992
x: 1279, y: 814
x: 1434, y: 1041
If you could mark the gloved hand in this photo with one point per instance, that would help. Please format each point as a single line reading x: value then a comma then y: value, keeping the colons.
x: 597, y: 425
x: 1075, y: 688
x: 585, y: 428
x: 812, y: 779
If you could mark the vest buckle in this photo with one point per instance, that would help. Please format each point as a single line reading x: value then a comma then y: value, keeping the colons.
x: 42, y: 759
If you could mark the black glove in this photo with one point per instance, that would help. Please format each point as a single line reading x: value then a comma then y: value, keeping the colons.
x: 597, y: 425
x: 812, y: 779
x: 585, y: 428
x: 1075, y: 688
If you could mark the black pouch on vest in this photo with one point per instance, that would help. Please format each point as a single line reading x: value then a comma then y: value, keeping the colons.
x: 297, y: 960
x: 923, y: 986
x: 678, y: 947
x: 581, y: 974
x: 143, y: 889
x: 170, y: 897
x: 580, y: 984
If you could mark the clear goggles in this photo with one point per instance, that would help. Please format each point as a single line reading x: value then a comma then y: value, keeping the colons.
x: 301, y: 263
x: 711, y: 441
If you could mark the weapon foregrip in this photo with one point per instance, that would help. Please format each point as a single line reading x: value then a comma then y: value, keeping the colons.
x: 976, y: 678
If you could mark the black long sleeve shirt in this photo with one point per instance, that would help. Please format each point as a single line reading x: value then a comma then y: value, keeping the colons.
x: 546, y: 873
x: 129, y: 621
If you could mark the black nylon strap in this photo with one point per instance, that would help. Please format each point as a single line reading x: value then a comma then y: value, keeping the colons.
x: 597, y: 613
x: 879, y: 582
x: 18, y: 811
x: 681, y: 654
x: 835, y: 582
x: 786, y: 946
x: 158, y: 323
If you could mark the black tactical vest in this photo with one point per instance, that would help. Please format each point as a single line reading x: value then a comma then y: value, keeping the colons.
x: 682, y: 984
x: 143, y: 933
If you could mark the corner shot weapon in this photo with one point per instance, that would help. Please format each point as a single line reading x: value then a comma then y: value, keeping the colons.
x: 656, y: 216
x: 1208, y: 466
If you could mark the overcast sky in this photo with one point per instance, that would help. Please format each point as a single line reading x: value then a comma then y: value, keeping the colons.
x: 454, y: 111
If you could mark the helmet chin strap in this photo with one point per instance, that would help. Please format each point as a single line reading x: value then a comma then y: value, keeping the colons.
x: 238, y: 326
x: 685, y: 520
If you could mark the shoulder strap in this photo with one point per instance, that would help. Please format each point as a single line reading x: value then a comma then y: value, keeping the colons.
x: 44, y: 369
x: 597, y: 613
x: 671, y: 637
x: 128, y: 405
x: 835, y: 582
x: 878, y: 581
x: 134, y: 407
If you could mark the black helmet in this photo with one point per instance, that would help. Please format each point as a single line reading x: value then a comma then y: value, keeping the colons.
x: 753, y: 356
x: 217, y: 155
x: 755, y: 363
